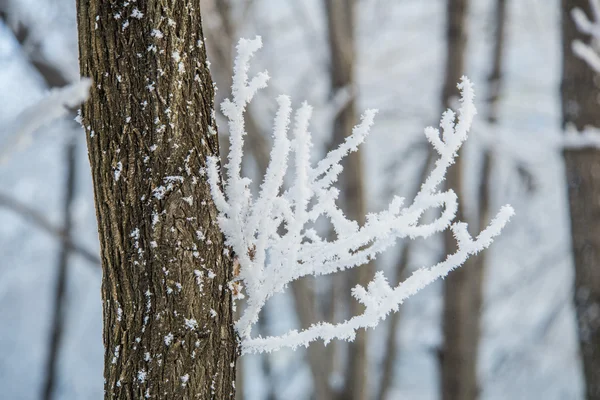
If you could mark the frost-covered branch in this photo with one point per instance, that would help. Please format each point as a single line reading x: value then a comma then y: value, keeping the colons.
x: 56, y: 104
x: 588, y: 52
x: 274, y: 236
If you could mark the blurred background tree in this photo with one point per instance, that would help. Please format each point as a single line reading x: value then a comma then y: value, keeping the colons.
x: 518, y: 337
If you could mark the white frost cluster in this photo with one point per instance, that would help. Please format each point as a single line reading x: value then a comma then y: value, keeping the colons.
x: 588, y: 53
x: 273, y: 235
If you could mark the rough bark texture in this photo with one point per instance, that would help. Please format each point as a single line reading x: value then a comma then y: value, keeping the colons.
x: 580, y: 108
x: 462, y: 288
x: 150, y: 127
x: 340, y: 24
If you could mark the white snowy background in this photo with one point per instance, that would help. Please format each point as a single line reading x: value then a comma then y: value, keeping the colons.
x: 528, y: 348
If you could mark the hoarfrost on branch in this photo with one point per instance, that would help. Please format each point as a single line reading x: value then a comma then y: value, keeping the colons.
x: 274, y: 236
x: 54, y: 105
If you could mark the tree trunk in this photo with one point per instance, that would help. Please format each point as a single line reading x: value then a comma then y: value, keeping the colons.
x: 340, y: 24
x: 462, y: 288
x: 386, y: 381
x: 579, y: 91
x: 495, y: 77
x: 60, y: 293
x: 463, y: 312
x: 150, y: 126
x: 318, y: 356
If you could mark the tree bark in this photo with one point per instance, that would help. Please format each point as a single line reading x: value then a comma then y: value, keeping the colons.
x: 462, y: 288
x: 150, y: 126
x: 579, y: 92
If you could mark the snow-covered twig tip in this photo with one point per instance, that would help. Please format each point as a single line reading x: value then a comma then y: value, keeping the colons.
x: 273, y: 235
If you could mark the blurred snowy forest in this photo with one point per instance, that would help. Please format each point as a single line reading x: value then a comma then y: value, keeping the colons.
x: 50, y: 304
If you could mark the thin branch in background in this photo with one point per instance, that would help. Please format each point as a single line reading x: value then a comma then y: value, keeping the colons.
x: 38, y: 219
x: 58, y: 317
x: 495, y: 76
x: 522, y: 350
x: 550, y: 261
x: 52, y: 75
x: 494, y: 87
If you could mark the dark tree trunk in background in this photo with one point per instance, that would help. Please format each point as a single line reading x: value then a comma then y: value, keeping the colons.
x: 456, y: 45
x: 580, y: 108
x: 53, y: 77
x: 495, y: 76
x: 60, y: 306
x: 340, y: 24
x: 149, y: 124
x: 465, y: 307
x: 462, y: 288
x: 386, y: 381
